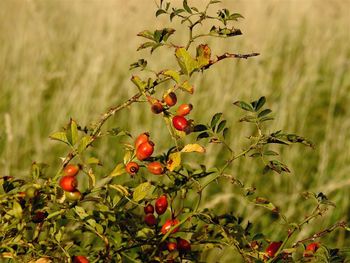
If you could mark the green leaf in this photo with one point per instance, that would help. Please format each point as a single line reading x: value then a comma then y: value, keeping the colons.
x: 121, y: 189
x: 243, y: 105
x: 203, y: 55
x: 141, y: 191
x: 146, y: 34
x: 260, y: 201
x: 186, y: 7
x: 140, y: 84
x: 92, y: 179
x: 173, y: 74
x: 186, y: 62
x: 224, y: 133
x: 72, y: 132
x: 160, y: 11
x: 118, y: 170
x: 200, y: 128
x: 59, y: 136
x: 80, y: 211
x: 93, y: 160
x: 17, y: 210
x: 147, y: 45
x: 276, y: 166
x: 202, y: 135
x: 84, y: 143
x: 259, y: 103
x: 264, y: 112
x: 221, y: 126
x: 215, y: 119
x: 270, y: 153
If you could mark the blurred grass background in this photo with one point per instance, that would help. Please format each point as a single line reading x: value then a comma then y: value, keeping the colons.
x: 62, y: 59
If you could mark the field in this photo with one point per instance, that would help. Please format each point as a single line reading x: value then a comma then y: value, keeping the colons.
x: 62, y: 59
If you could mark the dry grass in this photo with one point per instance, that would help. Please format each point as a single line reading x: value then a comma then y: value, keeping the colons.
x: 62, y: 59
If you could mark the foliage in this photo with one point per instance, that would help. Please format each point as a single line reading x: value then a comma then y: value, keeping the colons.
x: 104, y: 220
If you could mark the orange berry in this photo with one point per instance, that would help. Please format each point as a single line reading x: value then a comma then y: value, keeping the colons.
x: 184, y: 109
x: 143, y: 137
x: 170, y: 99
x: 132, y: 168
x: 71, y: 170
x: 145, y: 150
x: 155, y: 168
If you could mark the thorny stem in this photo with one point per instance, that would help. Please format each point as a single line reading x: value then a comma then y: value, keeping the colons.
x: 313, y: 215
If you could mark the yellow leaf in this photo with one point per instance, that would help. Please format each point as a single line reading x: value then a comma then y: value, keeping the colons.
x: 121, y: 189
x: 193, y: 148
x: 118, y: 170
x: 174, y: 161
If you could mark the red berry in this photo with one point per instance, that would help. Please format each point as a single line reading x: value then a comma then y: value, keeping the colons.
x: 80, y: 259
x: 149, y: 209
x: 169, y: 224
x: 183, y: 245
x: 73, y: 196
x: 71, y: 170
x: 132, y: 168
x: 313, y: 246
x: 155, y: 168
x: 157, y: 107
x: 311, y: 249
x: 273, y: 248
x: 143, y: 137
x: 170, y: 99
x: 69, y: 183
x: 180, y: 123
x: 184, y: 109
x: 161, y: 205
x: 150, y: 219
x: 171, y: 246
x: 145, y: 150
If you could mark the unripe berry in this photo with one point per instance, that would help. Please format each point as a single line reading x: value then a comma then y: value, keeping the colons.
x: 132, y: 168
x: 273, y: 248
x: 183, y: 245
x: 145, y: 150
x: 31, y: 192
x: 80, y: 259
x: 148, y: 209
x: 180, y: 123
x: 184, y: 109
x: 161, y: 205
x: 73, y: 196
x: 170, y: 99
x: 143, y: 137
x: 169, y: 224
x: 157, y: 107
x: 150, y: 219
x: 69, y: 183
x: 71, y: 170
x: 171, y: 246
x: 155, y: 168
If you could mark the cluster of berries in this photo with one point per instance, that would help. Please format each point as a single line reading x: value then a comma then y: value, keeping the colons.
x: 69, y: 182
x: 160, y: 206
x: 144, y: 149
x: 179, y: 121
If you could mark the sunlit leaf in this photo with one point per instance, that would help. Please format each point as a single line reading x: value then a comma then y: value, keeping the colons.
x: 141, y: 191
x: 193, y: 148
x: 174, y: 161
